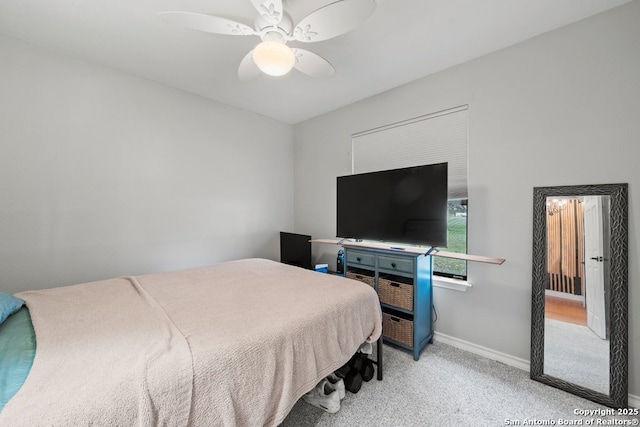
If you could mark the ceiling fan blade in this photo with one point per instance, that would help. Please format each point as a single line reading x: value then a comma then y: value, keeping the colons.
x: 206, y: 23
x: 248, y: 69
x: 270, y: 10
x: 334, y: 19
x: 312, y: 64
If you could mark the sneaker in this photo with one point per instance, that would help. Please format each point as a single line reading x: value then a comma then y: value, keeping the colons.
x: 324, y: 396
x: 337, y: 383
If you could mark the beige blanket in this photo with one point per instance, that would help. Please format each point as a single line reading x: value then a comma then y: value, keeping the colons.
x: 235, y: 344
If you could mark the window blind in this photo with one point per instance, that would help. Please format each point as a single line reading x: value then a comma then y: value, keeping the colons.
x: 433, y: 138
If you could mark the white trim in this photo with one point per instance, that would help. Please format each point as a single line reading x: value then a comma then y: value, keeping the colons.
x: 564, y: 295
x: 516, y: 362
x: 483, y: 351
x: 449, y: 283
x: 410, y: 121
x: 634, y: 401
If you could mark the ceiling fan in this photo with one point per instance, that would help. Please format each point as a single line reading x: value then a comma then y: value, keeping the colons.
x: 275, y: 27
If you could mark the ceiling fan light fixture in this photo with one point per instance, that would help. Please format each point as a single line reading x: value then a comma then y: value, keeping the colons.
x: 276, y: 27
x: 274, y: 58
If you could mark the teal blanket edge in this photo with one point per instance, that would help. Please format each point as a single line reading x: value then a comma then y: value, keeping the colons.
x: 17, y: 351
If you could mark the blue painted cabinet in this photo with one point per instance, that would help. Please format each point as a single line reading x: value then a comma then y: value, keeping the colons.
x: 403, y: 281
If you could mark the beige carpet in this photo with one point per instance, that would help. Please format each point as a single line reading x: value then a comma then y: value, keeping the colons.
x: 448, y: 387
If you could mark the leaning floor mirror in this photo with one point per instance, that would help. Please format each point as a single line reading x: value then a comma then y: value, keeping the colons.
x: 579, y: 329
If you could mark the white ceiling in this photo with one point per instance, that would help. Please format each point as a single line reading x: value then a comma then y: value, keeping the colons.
x: 403, y: 41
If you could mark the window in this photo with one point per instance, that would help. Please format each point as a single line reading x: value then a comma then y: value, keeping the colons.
x: 433, y: 138
x: 456, y: 240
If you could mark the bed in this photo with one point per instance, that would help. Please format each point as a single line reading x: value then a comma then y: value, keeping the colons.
x: 234, y: 344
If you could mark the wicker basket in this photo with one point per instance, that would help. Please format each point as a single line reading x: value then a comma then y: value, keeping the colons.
x: 396, y: 293
x: 397, y: 329
x: 369, y: 280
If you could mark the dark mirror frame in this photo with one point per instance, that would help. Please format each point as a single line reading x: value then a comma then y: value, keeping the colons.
x: 618, y: 350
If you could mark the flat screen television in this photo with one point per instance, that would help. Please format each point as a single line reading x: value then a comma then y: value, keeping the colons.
x: 407, y: 205
x: 295, y: 249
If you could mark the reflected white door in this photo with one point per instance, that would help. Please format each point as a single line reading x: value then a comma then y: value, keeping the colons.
x: 594, y: 265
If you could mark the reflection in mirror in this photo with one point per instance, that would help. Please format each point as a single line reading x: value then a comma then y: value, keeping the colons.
x: 576, y: 342
x: 579, y: 331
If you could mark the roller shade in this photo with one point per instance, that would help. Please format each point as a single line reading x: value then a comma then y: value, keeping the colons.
x: 433, y: 138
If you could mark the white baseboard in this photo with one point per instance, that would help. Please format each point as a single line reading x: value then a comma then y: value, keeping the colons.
x: 483, y: 351
x: 564, y: 295
x: 634, y: 401
x: 516, y: 362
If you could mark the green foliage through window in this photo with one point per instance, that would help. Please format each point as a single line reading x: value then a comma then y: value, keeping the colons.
x: 456, y: 242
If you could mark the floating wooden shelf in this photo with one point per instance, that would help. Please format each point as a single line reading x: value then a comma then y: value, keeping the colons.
x: 411, y: 249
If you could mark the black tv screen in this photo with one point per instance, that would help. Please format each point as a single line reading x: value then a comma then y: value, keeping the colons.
x: 407, y: 205
x: 295, y: 249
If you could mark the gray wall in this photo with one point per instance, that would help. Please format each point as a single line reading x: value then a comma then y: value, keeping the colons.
x: 105, y: 174
x: 559, y: 109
